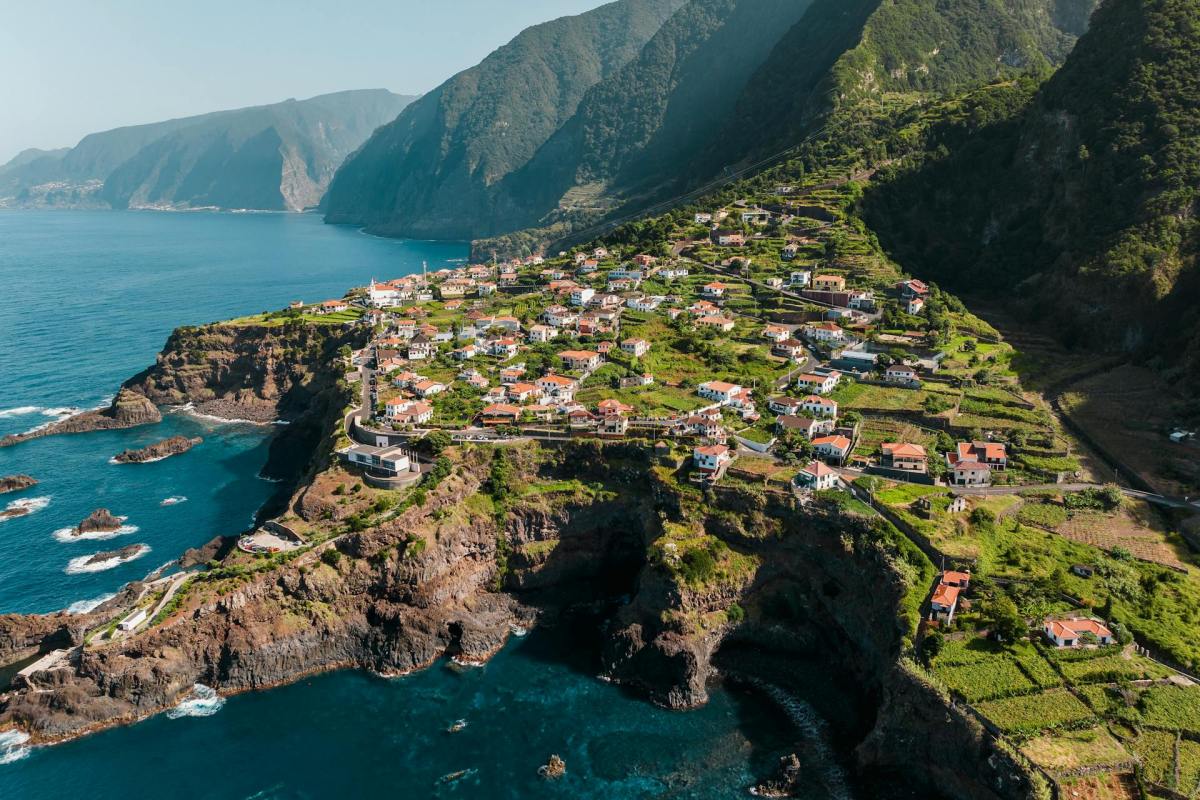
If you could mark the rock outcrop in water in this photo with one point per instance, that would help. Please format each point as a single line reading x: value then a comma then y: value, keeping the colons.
x: 158, y: 451
x: 99, y: 521
x: 15, y: 483
x: 129, y: 409
x: 124, y: 554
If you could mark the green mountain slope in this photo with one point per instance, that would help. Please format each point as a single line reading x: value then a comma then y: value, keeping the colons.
x: 273, y: 157
x: 1082, y: 206
x: 428, y: 173
x: 639, y: 130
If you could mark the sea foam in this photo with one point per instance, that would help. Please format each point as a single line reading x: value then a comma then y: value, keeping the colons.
x: 203, y: 701
x: 13, y: 746
x: 66, y: 535
x: 174, y: 500
x: 19, y: 411
x: 84, y: 606
x: 79, y: 566
x: 30, y: 504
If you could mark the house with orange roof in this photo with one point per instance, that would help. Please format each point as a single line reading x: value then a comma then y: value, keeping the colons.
x: 818, y: 383
x: 1072, y: 631
x: 500, y: 414
x: 711, y: 459
x: 580, y: 359
x: 821, y: 407
x: 635, y: 347
x: 905, y: 456
x: 818, y: 476
x: 829, y: 283
x: 723, y: 324
x: 523, y: 392
x: 834, y: 447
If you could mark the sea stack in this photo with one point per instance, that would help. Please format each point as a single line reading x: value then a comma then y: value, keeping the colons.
x: 124, y: 554
x: 15, y: 483
x: 99, y: 521
x: 159, y: 450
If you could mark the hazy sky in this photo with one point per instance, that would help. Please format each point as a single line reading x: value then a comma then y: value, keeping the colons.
x: 72, y: 67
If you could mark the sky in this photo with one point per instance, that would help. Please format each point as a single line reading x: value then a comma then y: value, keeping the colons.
x: 73, y: 67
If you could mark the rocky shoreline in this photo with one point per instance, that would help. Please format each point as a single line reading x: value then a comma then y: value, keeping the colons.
x: 174, y: 446
x: 447, y: 578
x: 99, y: 521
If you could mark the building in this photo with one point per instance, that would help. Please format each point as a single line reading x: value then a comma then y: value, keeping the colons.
x: 523, y: 392
x: 724, y: 393
x: 902, y: 375
x: 905, y: 456
x: 807, y: 427
x: 914, y: 306
x: 408, y: 412
x: 714, y: 290
x: 1075, y: 631
x: 824, y: 332
x: 832, y: 447
x: 580, y: 359
x: 800, y: 279
x: 390, y: 461
x: 788, y: 348
x: 785, y: 405
x: 829, y: 283
x: 818, y: 476
x: 944, y: 603
x: 711, y: 459
x: 777, y: 333
x: 504, y: 348
x: 635, y: 347
x: 722, y: 324
x: 582, y: 296
x: 500, y: 414
x: 820, y: 407
x: 969, y: 473
x: 334, y: 306
x: 428, y: 388
x: 420, y: 348
x: 542, y: 333
x: 557, y: 387
x: 818, y: 384
x: 728, y: 238
x: 994, y: 454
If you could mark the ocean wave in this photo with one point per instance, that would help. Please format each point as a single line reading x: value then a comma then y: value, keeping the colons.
x: 30, y: 504
x: 13, y: 746
x: 78, y: 566
x: 84, y: 606
x: 19, y: 411
x: 64, y: 411
x: 69, y: 535
x: 190, y: 410
x: 202, y: 702
x: 816, y: 734
x: 173, y: 500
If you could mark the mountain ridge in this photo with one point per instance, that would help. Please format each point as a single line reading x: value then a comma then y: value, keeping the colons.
x: 211, y: 159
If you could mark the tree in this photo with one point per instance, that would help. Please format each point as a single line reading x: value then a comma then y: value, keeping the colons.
x: 1004, y: 619
x: 932, y: 645
x: 434, y: 442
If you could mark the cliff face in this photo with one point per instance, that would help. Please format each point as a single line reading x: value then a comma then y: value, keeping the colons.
x: 273, y: 157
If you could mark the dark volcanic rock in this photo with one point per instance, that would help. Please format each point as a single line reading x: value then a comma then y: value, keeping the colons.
x: 125, y: 553
x: 129, y: 409
x: 99, y: 520
x: 15, y: 483
x: 159, y: 450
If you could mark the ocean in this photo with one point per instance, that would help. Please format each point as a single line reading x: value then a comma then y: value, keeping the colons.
x: 88, y: 299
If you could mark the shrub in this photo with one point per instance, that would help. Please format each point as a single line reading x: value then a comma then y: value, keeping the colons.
x: 735, y: 613
x: 332, y: 556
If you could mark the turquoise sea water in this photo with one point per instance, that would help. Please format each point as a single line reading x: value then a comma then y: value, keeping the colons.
x: 86, y: 300
x: 89, y: 298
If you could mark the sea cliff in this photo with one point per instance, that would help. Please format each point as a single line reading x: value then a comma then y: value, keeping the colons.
x: 686, y: 585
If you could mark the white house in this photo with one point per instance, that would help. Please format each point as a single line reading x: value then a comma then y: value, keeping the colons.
x: 559, y: 316
x: 1069, y: 632
x: 824, y: 332
x: 902, y: 375
x: 821, y: 407
x: 714, y: 290
x: 818, y: 384
x: 635, y: 347
x: 818, y: 476
x: 720, y: 391
x: 428, y: 388
x: 542, y: 333
x: 408, y: 412
x: 557, y: 387
x: 835, y: 447
x: 800, y: 278
x: 582, y: 296
x: 580, y: 359
x: 712, y: 458
x: 389, y: 460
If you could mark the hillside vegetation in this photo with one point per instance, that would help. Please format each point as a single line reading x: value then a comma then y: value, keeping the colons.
x: 1082, y: 199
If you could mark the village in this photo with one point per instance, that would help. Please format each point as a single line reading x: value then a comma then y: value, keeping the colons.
x: 722, y: 356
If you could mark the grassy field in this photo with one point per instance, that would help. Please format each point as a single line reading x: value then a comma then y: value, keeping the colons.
x: 1091, y: 747
x: 1032, y: 713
